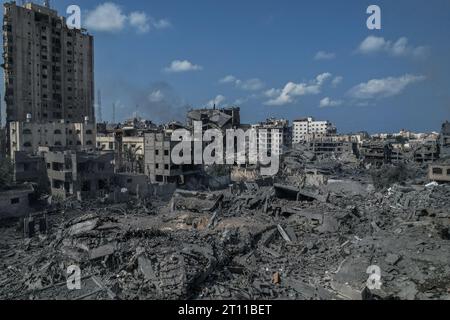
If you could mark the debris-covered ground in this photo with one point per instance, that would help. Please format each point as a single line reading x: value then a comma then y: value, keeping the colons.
x: 311, y: 233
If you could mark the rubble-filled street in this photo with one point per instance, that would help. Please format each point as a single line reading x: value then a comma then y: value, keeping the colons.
x: 312, y: 232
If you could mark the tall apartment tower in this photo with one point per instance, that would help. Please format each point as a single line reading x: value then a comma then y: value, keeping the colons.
x: 49, y: 68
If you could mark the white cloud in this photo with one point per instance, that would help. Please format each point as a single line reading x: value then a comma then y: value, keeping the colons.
x: 291, y: 90
x: 161, y: 24
x: 399, y: 48
x: 106, y: 17
x: 383, y: 88
x: 228, y: 79
x: 327, y: 102
x: 253, y: 84
x: 140, y: 21
x: 156, y: 96
x: 240, y: 101
x: 109, y: 17
x: 321, y: 78
x: 144, y: 23
x: 337, y: 81
x: 323, y: 55
x: 178, y: 66
x: 217, y: 101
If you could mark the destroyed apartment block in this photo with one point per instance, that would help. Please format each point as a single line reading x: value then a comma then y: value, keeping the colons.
x: 329, y: 146
x: 376, y: 153
x: 225, y: 118
x: 79, y: 174
x: 309, y: 233
x: 109, y: 199
x: 159, y: 166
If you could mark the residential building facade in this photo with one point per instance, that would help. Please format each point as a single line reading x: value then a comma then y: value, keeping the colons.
x: 158, y: 161
x: 30, y: 136
x: 273, y: 135
x: 79, y: 174
x: 48, y: 67
x: 309, y: 128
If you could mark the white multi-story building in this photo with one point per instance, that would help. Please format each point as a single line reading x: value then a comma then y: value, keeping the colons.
x: 304, y: 129
x: 273, y: 135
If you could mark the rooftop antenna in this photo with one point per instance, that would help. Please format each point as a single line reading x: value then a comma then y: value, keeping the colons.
x: 47, y: 3
x: 99, y: 106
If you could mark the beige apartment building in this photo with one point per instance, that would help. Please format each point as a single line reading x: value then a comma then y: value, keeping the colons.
x: 28, y: 137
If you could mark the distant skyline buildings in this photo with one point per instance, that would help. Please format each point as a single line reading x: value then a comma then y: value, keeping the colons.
x: 316, y: 59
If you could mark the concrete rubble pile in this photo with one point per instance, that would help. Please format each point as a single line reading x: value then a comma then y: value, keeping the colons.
x: 309, y: 233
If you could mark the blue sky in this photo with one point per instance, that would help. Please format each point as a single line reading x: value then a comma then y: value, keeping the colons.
x: 283, y: 58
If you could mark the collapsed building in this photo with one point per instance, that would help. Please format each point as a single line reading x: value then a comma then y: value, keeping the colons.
x: 330, y: 146
x: 293, y: 237
x: 376, y: 152
x: 426, y: 151
x: 226, y: 118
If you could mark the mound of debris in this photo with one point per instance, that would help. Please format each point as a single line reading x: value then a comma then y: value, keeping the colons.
x: 316, y: 235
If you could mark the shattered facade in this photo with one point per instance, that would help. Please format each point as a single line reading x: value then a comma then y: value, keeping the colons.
x: 329, y: 146
x: 158, y: 161
x: 225, y: 118
x: 376, y: 152
x: 79, y: 174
